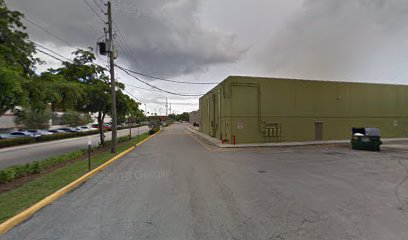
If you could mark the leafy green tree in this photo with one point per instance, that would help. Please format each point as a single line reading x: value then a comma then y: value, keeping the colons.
x: 16, y: 59
x: 11, y: 87
x: 182, y: 117
x: 127, y: 108
x: 34, y: 119
x: 96, y: 96
x: 75, y: 119
x: 55, y: 89
x: 173, y: 116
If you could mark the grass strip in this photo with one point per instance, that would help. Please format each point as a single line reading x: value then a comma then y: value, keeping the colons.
x: 21, y: 198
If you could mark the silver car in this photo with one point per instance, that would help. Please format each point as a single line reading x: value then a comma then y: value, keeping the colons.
x: 17, y: 134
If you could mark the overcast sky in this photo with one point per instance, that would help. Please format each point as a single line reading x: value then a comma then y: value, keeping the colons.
x: 209, y: 40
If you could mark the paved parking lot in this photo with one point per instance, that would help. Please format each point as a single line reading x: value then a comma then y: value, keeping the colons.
x: 176, y: 187
x: 19, y: 155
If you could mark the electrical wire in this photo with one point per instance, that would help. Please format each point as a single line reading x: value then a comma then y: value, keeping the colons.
x: 147, y: 89
x: 59, y: 55
x: 120, y: 67
x: 150, y: 85
x: 123, y: 69
x: 45, y: 30
x: 50, y: 55
x: 94, y: 11
x: 123, y: 39
x: 168, y: 80
x: 133, y: 96
x: 59, y: 59
x: 126, y: 50
x: 133, y: 59
x: 137, y: 87
x: 99, y: 6
x: 141, y: 102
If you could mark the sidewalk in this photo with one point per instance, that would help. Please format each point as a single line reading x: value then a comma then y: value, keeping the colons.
x: 219, y: 144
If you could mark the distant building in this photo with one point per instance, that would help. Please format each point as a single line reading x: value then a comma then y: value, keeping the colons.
x: 194, y: 117
x: 257, y: 110
x: 7, y: 121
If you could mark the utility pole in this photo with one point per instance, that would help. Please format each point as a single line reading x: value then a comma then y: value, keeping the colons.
x: 113, y: 84
x: 167, y: 106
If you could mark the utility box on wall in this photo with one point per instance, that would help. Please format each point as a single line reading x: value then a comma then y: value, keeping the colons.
x: 259, y: 110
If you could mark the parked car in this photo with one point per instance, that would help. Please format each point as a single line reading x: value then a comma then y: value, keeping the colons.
x: 104, y: 126
x: 196, y: 124
x: 68, y: 129
x: 38, y: 133
x: 54, y: 131
x: 86, y: 129
x: 17, y: 134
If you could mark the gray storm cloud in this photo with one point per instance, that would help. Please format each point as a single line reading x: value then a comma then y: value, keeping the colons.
x: 165, y: 36
x: 359, y: 40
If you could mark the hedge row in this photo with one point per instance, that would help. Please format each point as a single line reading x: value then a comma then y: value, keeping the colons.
x: 120, y: 140
x: 15, y: 141
x: 11, y: 173
x: 154, y: 130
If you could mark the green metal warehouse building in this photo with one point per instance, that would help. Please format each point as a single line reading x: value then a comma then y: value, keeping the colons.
x: 259, y: 110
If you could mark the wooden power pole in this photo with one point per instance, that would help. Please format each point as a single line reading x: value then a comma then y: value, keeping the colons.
x: 112, y: 75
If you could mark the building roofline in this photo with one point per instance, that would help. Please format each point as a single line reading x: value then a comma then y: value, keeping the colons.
x: 234, y: 77
x: 311, y: 80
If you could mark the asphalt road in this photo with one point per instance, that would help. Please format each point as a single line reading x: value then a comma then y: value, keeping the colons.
x: 175, y: 188
x: 29, y: 153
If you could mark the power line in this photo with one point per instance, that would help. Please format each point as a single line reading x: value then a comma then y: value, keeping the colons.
x: 99, y: 6
x: 45, y: 30
x: 141, y: 102
x: 168, y: 80
x: 38, y: 45
x: 59, y: 59
x: 122, y: 68
x: 147, y: 89
x: 50, y: 55
x: 169, y: 92
x: 137, y: 87
x: 127, y: 52
x: 133, y: 96
x: 96, y: 12
x: 123, y: 39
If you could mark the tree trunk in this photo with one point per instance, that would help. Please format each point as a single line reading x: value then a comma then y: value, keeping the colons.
x: 100, y: 127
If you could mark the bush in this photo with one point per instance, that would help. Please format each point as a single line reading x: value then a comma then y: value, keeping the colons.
x: 22, y: 170
x: 56, y: 136
x: 15, y: 141
x: 64, y: 136
x: 34, y: 119
x: 7, y: 175
x: 154, y: 130
x: 11, y: 173
x: 120, y: 140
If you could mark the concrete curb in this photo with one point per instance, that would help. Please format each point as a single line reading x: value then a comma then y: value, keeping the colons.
x: 218, y: 143
x: 24, y: 215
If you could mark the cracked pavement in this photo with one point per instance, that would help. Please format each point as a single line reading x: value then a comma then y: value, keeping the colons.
x: 174, y: 188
